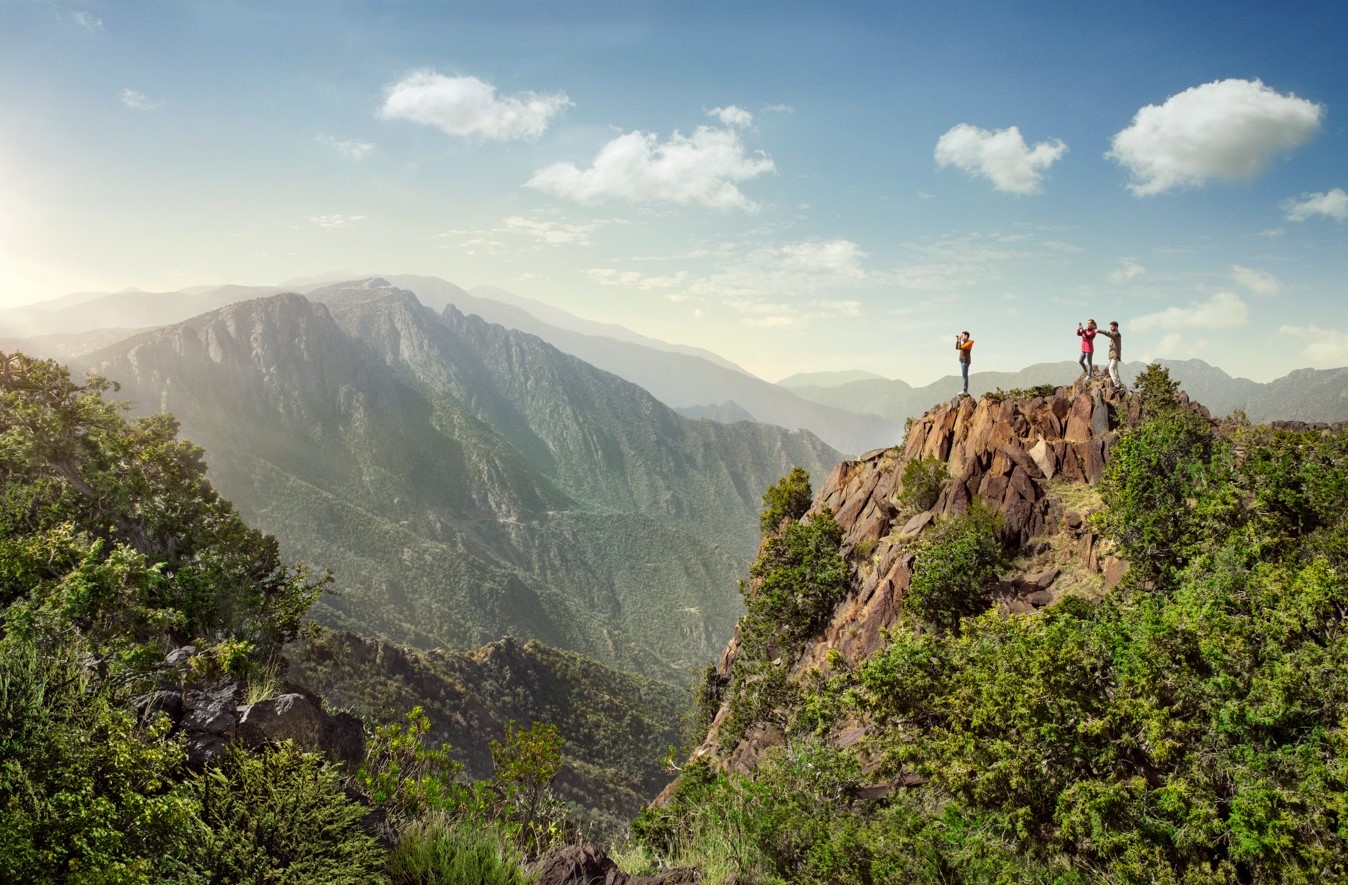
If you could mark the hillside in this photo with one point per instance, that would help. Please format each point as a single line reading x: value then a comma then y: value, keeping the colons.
x: 1072, y: 637
x: 465, y: 482
x: 616, y: 727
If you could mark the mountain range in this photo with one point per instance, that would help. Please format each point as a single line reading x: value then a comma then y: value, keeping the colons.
x: 465, y: 481
x: 851, y: 411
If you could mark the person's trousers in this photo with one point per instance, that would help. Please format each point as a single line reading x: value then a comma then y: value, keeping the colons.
x: 964, y: 370
x: 1087, y: 361
x: 1114, y: 373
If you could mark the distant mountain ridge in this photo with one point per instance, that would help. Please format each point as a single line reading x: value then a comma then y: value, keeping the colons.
x: 466, y: 481
x: 1303, y: 395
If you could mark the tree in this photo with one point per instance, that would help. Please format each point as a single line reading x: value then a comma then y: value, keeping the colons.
x: 788, y: 498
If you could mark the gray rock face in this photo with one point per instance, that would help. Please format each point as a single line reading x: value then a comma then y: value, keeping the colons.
x: 290, y: 717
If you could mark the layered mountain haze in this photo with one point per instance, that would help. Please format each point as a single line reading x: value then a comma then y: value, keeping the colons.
x: 1303, y: 395
x: 466, y: 482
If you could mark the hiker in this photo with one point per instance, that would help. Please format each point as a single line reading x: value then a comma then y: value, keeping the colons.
x: 1087, y: 334
x: 1115, y: 352
x: 965, y: 345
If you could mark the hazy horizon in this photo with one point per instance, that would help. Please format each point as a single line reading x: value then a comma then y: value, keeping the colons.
x: 794, y: 188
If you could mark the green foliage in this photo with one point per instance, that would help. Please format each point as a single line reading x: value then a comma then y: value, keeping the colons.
x: 788, y: 498
x: 110, y: 527
x: 954, y: 566
x: 923, y: 479
x: 1189, y: 728
x: 403, y: 775
x: 1160, y: 483
x: 1157, y: 390
x: 795, y: 583
x: 279, y: 816
x: 85, y: 796
x: 1022, y: 393
x: 526, y: 763
x: 441, y: 850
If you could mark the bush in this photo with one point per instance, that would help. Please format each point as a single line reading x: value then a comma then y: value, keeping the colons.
x: 954, y: 566
x: 279, y: 816
x: 923, y: 479
x: 795, y: 583
x: 789, y: 498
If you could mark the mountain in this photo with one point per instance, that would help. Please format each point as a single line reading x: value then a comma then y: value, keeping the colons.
x: 682, y: 378
x: 464, y: 481
x: 828, y: 379
x: 1303, y: 395
x: 120, y: 310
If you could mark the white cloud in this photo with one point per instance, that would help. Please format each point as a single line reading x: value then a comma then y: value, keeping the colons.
x: 138, y: 101
x: 1224, y: 310
x: 1002, y: 156
x: 1229, y: 129
x: 1128, y: 269
x: 467, y: 106
x: 732, y: 116
x: 636, y: 167
x: 848, y: 308
x: 549, y: 232
x: 1258, y: 282
x: 1323, y: 346
x: 88, y: 21
x: 346, y: 147
x: 333, y: 221
x: 1331, y: 205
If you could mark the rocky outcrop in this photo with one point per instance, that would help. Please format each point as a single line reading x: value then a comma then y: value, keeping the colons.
x: 213, y: 716
x: 1018, y: 455
x: 587, y: 864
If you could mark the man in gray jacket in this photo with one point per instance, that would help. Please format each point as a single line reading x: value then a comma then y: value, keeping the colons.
x: 1115, y: 353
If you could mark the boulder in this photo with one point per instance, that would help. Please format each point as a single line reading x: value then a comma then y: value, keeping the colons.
x: 290, y: 717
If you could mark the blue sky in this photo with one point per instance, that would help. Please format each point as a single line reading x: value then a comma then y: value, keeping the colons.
x: 796, y: 186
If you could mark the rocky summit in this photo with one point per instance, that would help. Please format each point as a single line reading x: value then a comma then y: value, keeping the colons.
x: 1035, y: 457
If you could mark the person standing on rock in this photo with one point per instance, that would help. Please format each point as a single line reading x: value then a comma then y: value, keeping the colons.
x: 965, y: 346
x: 1087, y: 334
x: 1115, y: 352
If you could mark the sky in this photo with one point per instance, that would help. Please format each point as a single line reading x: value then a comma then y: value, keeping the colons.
x: 796, y: 186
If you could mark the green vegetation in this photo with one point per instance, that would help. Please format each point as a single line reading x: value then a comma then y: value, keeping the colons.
x: 923, y: 479
x: 1038, y: 390
x: 955, y: 564
x: 788, y: 498
x: 1189, y: 728
x: 114, y: 549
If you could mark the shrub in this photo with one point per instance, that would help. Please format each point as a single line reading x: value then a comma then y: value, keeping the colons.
x: 788, y: 498
x: 923, y: 479
x: 279, y: 816
x: 954, y: 567
x: 796, y: 581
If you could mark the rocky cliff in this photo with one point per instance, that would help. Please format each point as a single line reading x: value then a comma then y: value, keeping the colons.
x: 1036, y: 459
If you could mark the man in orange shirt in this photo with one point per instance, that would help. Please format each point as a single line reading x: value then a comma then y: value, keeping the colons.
x: 965, y: 345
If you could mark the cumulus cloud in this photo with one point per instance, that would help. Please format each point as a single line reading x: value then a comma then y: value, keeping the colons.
x: 1128, y: 269
x: 1323, y: 346
x: 467, y: 106
x: 138, y: 101
x: 1331, y: 205
x: 1229, y: 129
x: 1224, y: 310
x: 88, y: 21
x: 334, y: 221
x: 1258, y: 282
x: 1002, y: 156
x: 637, y: 167
x: 345, y: 146
x: 733, y: 116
